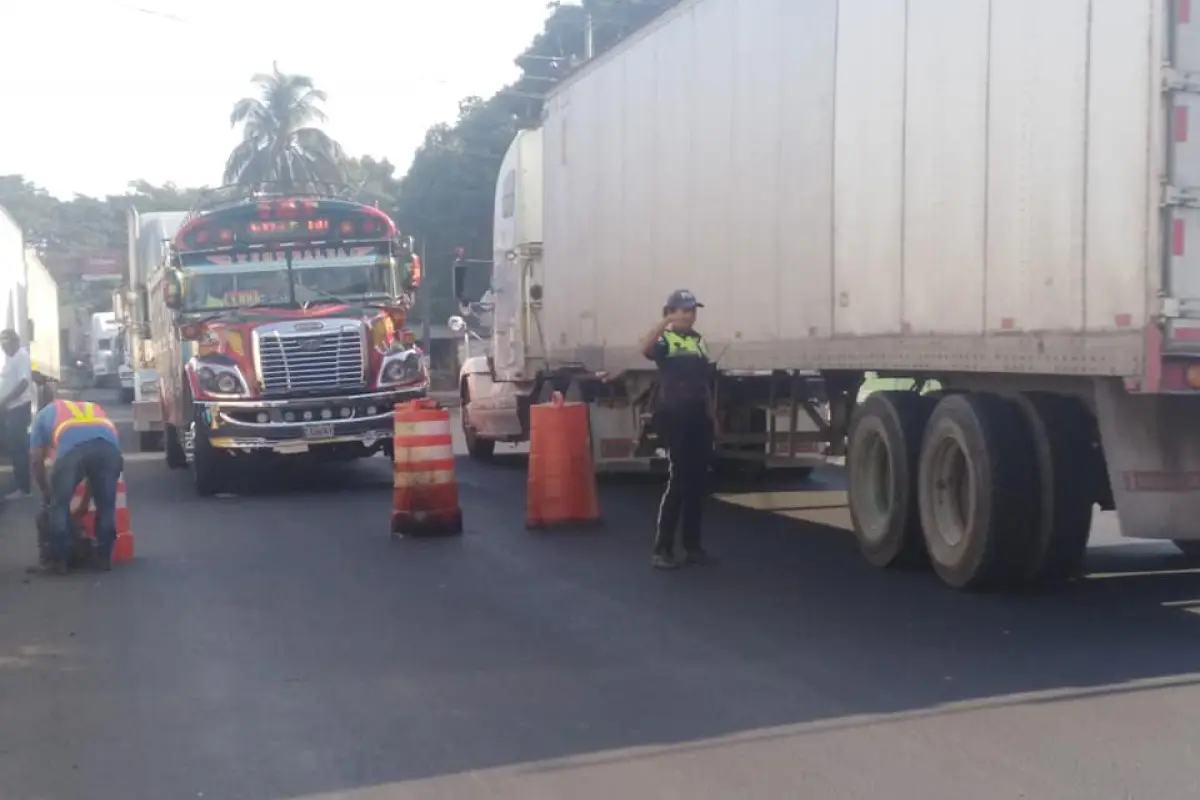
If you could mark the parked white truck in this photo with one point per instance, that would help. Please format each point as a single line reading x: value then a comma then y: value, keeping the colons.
x: 104, y: 348
x: 29, y: 301
x: 768, y: 418
x: 1003, y: 198
x: 41, y: 332
x: 149, y: 235
x: 125, y: 371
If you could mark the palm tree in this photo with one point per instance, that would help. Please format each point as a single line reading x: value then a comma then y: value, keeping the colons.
x: 280, y: 141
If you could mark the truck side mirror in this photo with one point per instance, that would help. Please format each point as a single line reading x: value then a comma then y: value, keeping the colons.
x: 460, y: 281
x: 414, y: 271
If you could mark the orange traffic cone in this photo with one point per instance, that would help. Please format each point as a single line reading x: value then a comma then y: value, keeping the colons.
x: 425, y: 492
x: 123, y: 546
x: 562, y: 480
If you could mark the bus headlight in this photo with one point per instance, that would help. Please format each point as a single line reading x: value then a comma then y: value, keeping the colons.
x: 403, y: 367
x: 217, y: 379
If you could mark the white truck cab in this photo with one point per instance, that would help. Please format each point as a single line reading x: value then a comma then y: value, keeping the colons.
x: 763, y: 418
x: 105, y: 348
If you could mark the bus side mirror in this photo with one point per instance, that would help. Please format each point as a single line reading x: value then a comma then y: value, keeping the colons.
x: 414, y: 271
x: 460, y: 281
x: 173, y: 291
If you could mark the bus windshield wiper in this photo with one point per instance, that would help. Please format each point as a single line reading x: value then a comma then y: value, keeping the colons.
x: 328, y: 297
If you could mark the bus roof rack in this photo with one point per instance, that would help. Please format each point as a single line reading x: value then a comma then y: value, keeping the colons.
x: 236, y: 194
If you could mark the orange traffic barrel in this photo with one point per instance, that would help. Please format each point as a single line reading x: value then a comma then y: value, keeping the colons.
x: 123, y: 546
x: 425, y: 491
x: 561, y: 487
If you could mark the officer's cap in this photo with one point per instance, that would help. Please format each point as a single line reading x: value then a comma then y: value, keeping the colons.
x: 683, y: 299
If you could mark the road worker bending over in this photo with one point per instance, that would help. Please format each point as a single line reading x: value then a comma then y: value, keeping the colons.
x: 79, y: 442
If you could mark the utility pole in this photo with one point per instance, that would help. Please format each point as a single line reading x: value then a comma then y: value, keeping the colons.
x: 589, y: 35
x: 589, y: 27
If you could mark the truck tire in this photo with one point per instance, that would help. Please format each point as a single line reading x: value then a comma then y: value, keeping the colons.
x: 207, y: 467
x: 150, y: 441
x: 881, y: 465
x: 478, y: 448
x: 176, y: 457
x: 1063, y: 448
x: 977, y: 488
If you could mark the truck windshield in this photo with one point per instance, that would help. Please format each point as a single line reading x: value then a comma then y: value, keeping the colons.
x: 284, y: 279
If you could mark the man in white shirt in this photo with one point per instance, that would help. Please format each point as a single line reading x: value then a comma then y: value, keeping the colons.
x: 16, y: 409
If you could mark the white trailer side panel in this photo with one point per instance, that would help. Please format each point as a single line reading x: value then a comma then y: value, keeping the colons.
x: 946, y: 166
x: 42, y: 329
x: 12, y: 275
x: 931, y: 184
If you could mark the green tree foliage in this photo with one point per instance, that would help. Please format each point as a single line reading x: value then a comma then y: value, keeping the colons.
x: 447, y: 196
x: 83, y: 226
x: 84, y: 223
x: 374, y: 182
x: 281, y: 143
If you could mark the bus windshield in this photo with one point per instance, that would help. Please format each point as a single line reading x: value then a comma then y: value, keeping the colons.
x: 299, y: 277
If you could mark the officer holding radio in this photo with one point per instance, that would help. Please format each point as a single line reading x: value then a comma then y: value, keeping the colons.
x: 685, y: 421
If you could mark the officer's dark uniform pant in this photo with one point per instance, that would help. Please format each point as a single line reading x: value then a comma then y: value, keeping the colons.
x: 689, y: 444
x: 100, y: 463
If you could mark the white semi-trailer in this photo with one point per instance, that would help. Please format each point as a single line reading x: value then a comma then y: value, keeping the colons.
x: 1002, y: 197
x: 29, y: 302
x: 41, y: 331
x: 149, y: 235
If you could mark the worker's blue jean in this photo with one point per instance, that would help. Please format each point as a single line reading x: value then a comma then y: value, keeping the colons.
x: 14, y: 426
x: 100, y: 463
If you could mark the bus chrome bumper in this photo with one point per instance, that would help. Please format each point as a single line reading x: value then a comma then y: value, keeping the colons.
x: 295, y: 425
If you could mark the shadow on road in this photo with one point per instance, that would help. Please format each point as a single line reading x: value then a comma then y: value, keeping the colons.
x: 288, y: 624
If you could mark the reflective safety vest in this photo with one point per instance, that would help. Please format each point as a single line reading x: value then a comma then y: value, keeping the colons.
x: 684, y: 346
x: 70, y: 414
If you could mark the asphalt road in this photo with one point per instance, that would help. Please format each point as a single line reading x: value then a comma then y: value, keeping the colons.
x: 278, y: 645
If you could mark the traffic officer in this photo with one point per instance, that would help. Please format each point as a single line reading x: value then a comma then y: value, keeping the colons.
x: 82, y: 442
x: 685, y: 421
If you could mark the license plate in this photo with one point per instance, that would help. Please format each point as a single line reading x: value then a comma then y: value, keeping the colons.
x: 322, y: 431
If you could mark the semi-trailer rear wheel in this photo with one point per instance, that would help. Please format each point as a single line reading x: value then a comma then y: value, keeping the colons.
x: 478, y: 447
x: 1063, y: 448
x: 176, y: 455
x: 882, y: 461
x: 978, y: 491
x: 150, y: 441
x: 207, y: 463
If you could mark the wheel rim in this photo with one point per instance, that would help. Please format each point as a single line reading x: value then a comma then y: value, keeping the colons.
x: 951, y: 491
x: 871, y: 477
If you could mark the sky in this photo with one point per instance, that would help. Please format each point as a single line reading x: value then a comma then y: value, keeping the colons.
x: 96, y: 93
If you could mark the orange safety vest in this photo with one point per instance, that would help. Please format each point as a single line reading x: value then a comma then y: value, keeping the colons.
x: 69, y: 414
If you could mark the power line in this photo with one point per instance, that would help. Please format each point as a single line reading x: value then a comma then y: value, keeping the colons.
x: 167, y: 15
